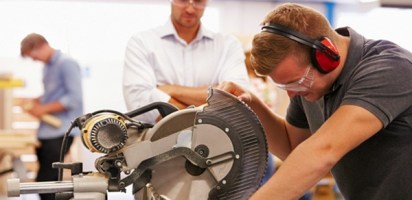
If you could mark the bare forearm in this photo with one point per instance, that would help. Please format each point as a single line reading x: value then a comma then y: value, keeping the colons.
x: 187, y: 95
x: 35, y: 108
x: 275, y: 129
x: 177, y: 103
x: 301, y: 170
x: 53, y: 107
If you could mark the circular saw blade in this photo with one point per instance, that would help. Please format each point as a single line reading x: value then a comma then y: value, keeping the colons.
x: 249, y: 142
x: 225, y: 125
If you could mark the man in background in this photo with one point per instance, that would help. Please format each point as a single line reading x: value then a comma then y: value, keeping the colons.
x: 61, y: 102
x: 179, y: 61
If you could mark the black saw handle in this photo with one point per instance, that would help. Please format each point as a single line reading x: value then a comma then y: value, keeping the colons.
x: 163, y: 108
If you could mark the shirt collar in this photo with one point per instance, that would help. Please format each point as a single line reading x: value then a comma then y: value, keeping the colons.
x: 352, y: 59
x: 168, y: 30
x: 55, y: 56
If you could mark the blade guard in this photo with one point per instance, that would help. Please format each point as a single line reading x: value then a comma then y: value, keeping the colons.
x: 247, y: 135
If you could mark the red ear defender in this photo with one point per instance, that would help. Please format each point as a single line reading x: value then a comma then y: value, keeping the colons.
x: 324, y: 55
x: 327, y: 58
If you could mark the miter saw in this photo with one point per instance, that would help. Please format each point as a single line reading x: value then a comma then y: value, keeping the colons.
x: 215, y: 151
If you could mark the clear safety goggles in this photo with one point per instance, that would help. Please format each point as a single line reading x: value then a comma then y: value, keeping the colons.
x: 302, y: 85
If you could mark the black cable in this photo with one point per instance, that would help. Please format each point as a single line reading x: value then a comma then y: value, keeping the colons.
x: 63, y: 149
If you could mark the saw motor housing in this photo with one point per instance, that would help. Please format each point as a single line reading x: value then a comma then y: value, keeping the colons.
x: 104, y: 133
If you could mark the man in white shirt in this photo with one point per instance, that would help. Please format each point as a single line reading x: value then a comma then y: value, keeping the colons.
x: 178, y: 62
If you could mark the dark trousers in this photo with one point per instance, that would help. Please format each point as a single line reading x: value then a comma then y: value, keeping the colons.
x: 47, y: 153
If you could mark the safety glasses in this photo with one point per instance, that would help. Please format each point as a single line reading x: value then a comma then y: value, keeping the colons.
x: 302, y: 85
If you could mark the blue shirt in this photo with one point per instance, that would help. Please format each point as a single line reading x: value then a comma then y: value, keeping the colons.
x: 62, y: 83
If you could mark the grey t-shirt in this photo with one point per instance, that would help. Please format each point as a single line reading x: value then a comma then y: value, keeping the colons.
x: 377, y: 76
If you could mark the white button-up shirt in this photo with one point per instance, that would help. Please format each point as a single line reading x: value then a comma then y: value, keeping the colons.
x: 159, y: 56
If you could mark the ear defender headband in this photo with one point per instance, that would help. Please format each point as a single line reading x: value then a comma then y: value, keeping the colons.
x: 324, y: 55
